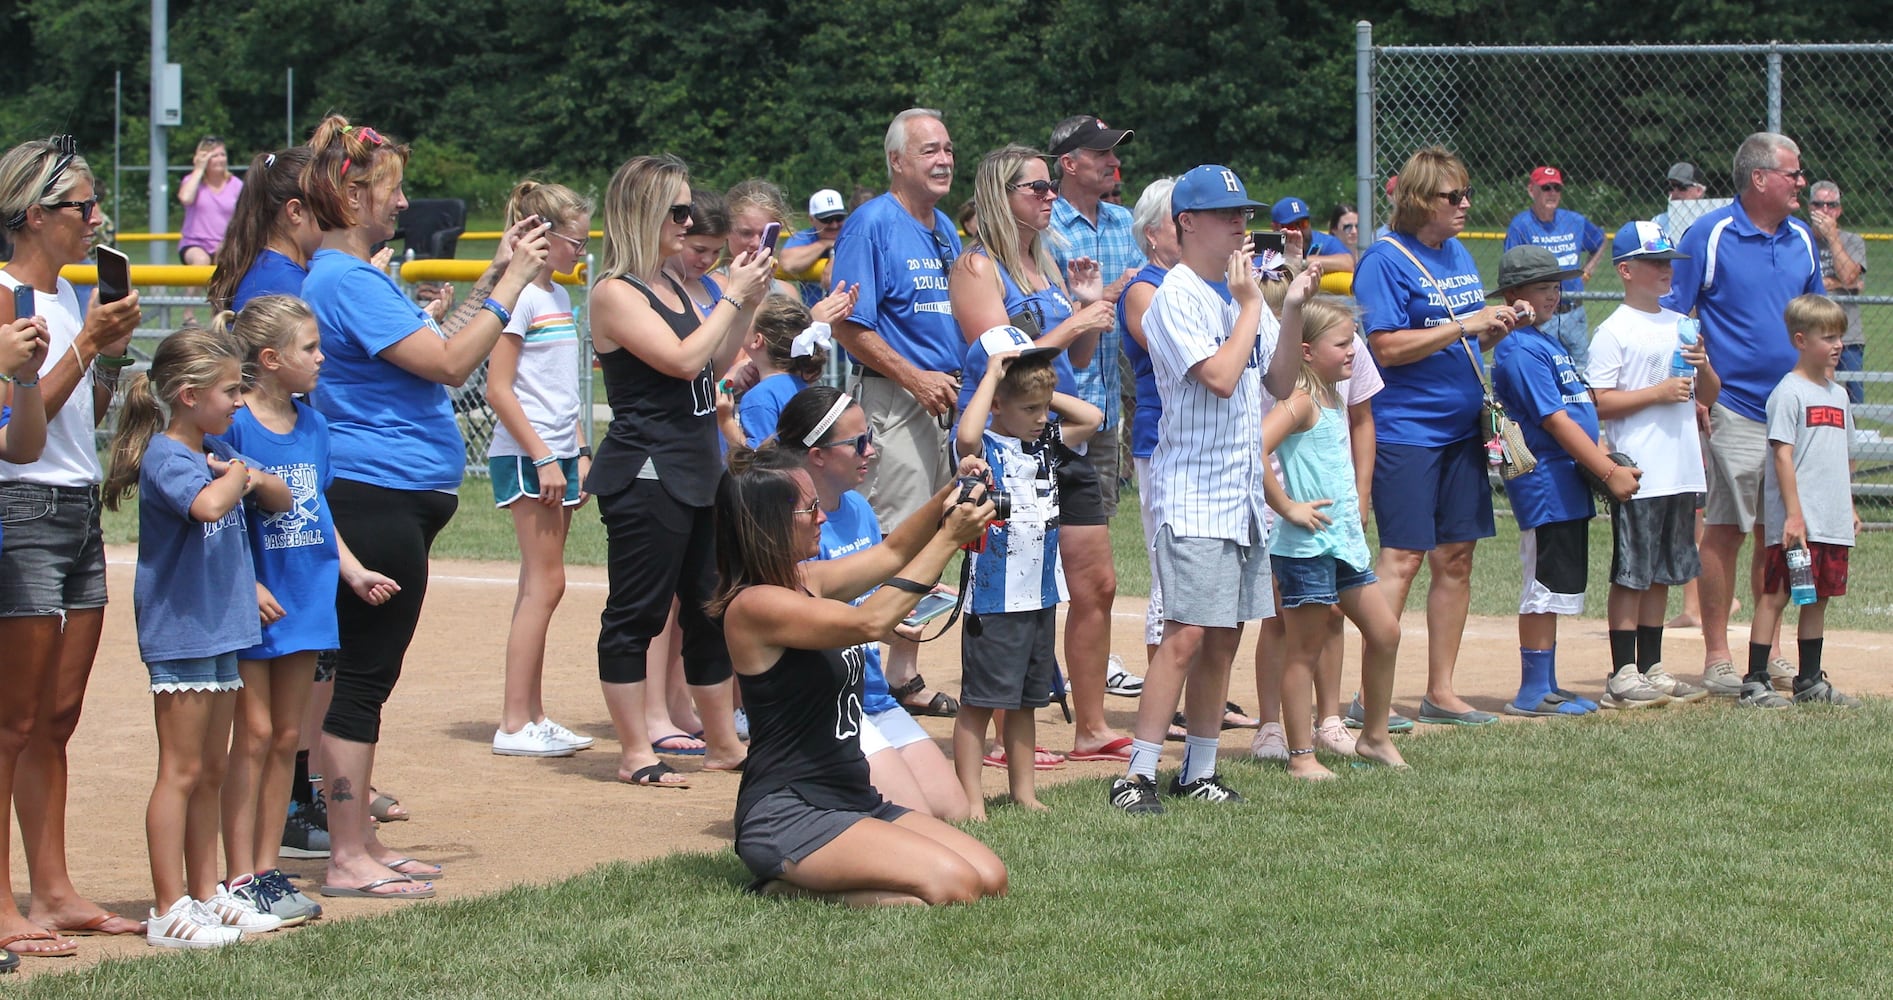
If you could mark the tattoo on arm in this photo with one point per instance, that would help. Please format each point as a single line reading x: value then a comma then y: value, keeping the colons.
x: 342, y: 791
x: 468, y: 308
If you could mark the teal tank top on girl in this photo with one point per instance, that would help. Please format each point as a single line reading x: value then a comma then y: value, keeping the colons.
x: 1317, y: 464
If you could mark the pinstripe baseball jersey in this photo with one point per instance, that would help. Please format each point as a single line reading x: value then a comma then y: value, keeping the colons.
x: 1206, y: 472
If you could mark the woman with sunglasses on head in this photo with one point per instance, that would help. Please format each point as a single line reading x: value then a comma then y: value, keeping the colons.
x: 271, y: 237
x: 1421, y: 302
x: 396, y: 453
x: 52, y: 566
x: 1008, y: 276
x: 656, y: 471
x: 209, y: 195
x: 809, y: 818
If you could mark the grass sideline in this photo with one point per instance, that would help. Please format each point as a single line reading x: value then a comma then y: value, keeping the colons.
x: 481, y: 531
x: 1640, y: 855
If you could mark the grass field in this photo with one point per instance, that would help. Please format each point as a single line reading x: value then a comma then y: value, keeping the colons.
x: 1625, y: 856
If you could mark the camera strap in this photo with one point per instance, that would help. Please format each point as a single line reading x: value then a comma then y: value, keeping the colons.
x: 959, y: 602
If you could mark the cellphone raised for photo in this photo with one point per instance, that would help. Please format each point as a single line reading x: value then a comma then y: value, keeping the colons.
x: 114, y: 275
x: 1260, y: 241
x: 769, y: 234
x: 930, y: 607
x: 22, y: 301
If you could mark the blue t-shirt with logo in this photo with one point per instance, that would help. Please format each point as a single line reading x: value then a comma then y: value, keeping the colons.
x: 1569, y: 236
x: 851, y: 528
x: 271, y: 274
x: 1149, y: 403
x: 1322, y: 245
x: 194, y: 594
x: 1434, y: 401
x: 1739, y: 279
x: 294, y: 551
x: 1048, y: 308
x: 763, y: 403
x: 1534, y: 376
x: 387, y: 426
x: 901, y: 268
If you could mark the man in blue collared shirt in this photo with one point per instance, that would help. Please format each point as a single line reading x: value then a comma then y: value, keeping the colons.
x: 1745, y: 262
x: 1083, y: 152
x: 1569, y: 236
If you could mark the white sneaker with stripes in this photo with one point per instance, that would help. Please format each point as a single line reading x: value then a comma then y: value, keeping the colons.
x: 188, y: 924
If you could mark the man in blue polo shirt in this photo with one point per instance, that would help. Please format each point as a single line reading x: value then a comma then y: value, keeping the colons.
x: 1745, y: 262
x: 1569, y: 236
x: 1291, y: 213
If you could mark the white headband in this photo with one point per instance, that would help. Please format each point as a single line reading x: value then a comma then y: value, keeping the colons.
x: 821, y: 426
x: 817, y: 335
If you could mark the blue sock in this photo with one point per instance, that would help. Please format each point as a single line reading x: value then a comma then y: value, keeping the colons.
x: 1534, y: 677
x: 1144, y: 758
x: 1584, y: 703
x: 1199, y: 757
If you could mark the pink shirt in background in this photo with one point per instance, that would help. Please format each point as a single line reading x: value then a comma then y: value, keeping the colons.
x: 207, y: 218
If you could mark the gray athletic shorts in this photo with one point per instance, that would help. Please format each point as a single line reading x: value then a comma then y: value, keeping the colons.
x: 1213, y: 582
x: 1007, y: 660
x: 52, y: 555
x: 784, y: 827
x: 1738, y: 448
x: 1653, y: 541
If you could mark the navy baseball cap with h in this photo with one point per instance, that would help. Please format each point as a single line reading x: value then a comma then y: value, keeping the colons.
x: 1207, y: 188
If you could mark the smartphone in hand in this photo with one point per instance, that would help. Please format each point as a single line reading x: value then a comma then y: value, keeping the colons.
x: 930, y: 607
x: 114, y: 275
x: 22, y: 301
x: 769, y: 234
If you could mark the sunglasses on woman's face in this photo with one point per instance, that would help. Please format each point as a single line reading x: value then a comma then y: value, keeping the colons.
x: 680, y: 214
x: 1456, y: 196
x: 1039, y: 189
x: 860, y: 442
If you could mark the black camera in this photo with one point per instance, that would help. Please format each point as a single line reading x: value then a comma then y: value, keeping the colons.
x: 1002, y: 503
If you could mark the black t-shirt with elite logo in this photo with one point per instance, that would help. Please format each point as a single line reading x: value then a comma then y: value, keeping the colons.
x: 805, y: 732
x: 667, y: 423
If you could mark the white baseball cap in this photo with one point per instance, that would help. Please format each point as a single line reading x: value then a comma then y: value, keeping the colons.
x: 826, y: 202
x: 1005, y: 339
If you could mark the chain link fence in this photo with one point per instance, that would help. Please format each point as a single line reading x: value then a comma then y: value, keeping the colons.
x: 1614, y: 118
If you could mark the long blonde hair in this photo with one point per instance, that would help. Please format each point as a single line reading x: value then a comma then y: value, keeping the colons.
x: 997, y: 230
x: 192, y: 358
x: 266, y: 321
x: 1319, y: 316
x: 636, y: 205
x: 554, y: 203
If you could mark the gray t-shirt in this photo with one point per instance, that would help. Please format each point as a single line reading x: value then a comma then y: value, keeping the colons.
x: 1856, y: 248
x: 1816, y: 421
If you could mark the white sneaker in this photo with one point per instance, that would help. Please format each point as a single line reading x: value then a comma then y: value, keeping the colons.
x: 232, y: 910
x: 187, y: 924
x: 1333, y: 737
x: 1628, y: 688
x: 560, y: 734
x: 742, y: 725
x: 1121, y: 682
x: 1678, y: 690
x: 1270, y: 743
x: 532, y: 740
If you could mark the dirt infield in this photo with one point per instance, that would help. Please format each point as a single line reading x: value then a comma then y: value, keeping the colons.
x: 497, y: 821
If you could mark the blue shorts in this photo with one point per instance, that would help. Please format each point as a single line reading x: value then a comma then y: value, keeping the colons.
x: 53, y: 558
x: 1316, y: 579
x: 514, y: 476
x: 203, y: 673
x: 1428, y: 497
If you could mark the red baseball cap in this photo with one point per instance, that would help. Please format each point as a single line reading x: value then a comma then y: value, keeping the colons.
x: 1391, y: 181
x: 1547, y: 175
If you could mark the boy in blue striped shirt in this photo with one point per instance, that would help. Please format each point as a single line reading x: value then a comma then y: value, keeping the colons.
x: 1007, y: 651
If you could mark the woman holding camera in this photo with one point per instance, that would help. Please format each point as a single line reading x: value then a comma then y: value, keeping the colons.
x: 808, y: 818
x: 656, y: 472
x: 52, y: 566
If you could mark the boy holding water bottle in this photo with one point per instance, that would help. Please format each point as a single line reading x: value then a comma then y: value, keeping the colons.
x: 1648, y: 369
x: 1807, y: 503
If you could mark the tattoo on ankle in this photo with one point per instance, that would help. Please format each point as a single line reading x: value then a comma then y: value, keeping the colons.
x: 342, y: 792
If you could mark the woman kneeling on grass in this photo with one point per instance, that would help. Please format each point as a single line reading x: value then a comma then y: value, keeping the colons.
x: 807, y: 818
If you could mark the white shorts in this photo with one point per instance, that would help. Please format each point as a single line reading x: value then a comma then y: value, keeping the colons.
x: 898, y: 728
x: 872, y: 742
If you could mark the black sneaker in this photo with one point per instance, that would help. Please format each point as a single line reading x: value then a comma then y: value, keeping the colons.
x: 1135, y: 795
x: 1208, y: 789
x: 318, y: 808
x: 301, y: 837
x: 1817, y: 691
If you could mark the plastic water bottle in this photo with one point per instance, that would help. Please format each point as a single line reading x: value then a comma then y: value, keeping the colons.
x: 1801, y: 575
x: 1688, y: 334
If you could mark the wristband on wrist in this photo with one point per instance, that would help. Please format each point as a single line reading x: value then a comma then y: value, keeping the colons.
x: 910, y: 586
x: 20, y: 383
x: 540, y: 463
x: 737, y: 303
x: 585, y: 452
x: 113, y: 360
x: 492, y: 305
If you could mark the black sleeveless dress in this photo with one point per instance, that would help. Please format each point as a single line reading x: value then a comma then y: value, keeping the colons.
x: 669, y: 422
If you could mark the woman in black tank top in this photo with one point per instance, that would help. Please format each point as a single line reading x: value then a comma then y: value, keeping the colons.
x: 806, y: 817
x: 656, y: 472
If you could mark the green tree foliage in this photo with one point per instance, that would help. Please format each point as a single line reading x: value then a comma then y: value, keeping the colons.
x: 800, y: 91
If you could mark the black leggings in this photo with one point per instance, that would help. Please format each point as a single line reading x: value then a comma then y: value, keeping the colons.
x: 390, y: 531
x: 658, y: 548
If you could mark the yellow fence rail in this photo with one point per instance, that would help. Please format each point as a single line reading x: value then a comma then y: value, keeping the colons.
x: 193, y: 276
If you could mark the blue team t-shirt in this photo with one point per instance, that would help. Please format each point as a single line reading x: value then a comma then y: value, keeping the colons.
x: 1047, y: 308
x: 294, y: 551
x: 1435, y: 401
x: 850, y: 528
x: 1323, y: 244
x: 271, y: 274
x: 763, y: 404
x: 901, y: 268
x: 1533, y: 375
x: 1754, y: 275
x: 1569, y: 236
x: 387, y: 427
x: 812, y: 291
x: 194, y: 594
x: 1149, y: 403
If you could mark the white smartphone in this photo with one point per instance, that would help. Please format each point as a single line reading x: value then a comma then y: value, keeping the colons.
x: 930, y: 607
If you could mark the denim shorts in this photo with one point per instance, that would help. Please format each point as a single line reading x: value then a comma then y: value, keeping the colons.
x: 52, y: 555
x: 514, y: 477
x: 202, y: 673
x: 1316, y: 579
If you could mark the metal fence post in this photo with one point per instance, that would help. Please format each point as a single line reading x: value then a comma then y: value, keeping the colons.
x: 1774, y: 87
x: 1364, y: 175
